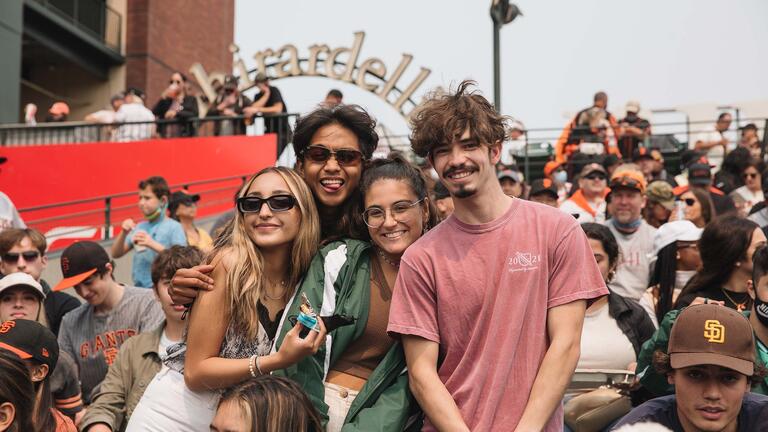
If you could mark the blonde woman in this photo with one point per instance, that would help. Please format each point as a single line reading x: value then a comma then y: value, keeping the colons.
x: 258, y: 262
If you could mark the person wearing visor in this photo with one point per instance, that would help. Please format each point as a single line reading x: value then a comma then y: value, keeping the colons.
x: 588, y: 203
x: 711, y: 363
x: 183, y: 208
x: 634, y: 235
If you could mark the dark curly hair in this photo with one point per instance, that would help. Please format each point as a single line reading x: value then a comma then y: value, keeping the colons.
x: 352, y: 117
x: 443, y: 118
x: 662, y: 364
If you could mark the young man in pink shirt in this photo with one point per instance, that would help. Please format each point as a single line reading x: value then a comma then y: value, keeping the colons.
x: 490, y: 303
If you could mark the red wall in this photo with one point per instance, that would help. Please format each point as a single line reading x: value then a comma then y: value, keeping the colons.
x: 49, y: 174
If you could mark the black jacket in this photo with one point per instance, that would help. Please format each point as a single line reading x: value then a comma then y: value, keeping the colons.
x: 185, y: 127
x: 57, y: 304
x: 632, y: 319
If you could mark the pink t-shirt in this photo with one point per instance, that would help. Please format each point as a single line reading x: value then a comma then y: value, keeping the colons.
x: 482, y: 292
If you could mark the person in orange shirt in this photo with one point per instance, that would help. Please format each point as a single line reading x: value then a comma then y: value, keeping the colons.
x: 574, y: 131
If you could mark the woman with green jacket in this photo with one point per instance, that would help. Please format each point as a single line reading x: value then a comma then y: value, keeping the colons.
x: 357, y: 379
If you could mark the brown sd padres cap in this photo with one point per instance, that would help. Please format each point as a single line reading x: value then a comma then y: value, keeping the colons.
x: 711, y: 334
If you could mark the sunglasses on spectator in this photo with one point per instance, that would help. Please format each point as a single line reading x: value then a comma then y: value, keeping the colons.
x: 276, y: 203
x: 322, y: 154
x: 174, y: 82
x: 374, y: 217
x: 29, y: 256
x: 595, y: 176
x: 749, y: 175
x: 688, y: 201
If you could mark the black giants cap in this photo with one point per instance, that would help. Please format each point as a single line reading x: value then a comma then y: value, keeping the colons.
x: 79, y: 261
x: 30, y: 340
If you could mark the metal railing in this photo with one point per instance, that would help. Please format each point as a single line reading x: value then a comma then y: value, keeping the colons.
x: 84, y: 132
x: 72, y: 219
x: 94, y: 17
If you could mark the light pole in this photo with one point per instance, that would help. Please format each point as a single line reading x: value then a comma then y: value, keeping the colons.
x: 502, y: 12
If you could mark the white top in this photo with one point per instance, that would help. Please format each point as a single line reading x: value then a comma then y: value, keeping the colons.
x: 9, y: 216
x: 165, y: 342
x: 510, y: 148
x: 715, y: 154
x: 582, y: 215
x: 134, y: 112
x: 634, y: 270
x: 603, y: 344
x: 750, y: 198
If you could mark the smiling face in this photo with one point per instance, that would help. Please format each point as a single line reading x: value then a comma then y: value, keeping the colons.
x: 332, y: 183
x: 402, y: 222
x: 709, y: 397
x: 593, y: 184
x: 266, y: 227
x: 19, y: 302
x: 465, y: 166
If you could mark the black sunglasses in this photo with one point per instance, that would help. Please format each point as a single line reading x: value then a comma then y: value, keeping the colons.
x: 174, y: 82
x: 322, y: 154
x: 688, y: 201
x: 277, y: 203
x: 750, y: 175
x: 29, y: 256
x: 595, y: 176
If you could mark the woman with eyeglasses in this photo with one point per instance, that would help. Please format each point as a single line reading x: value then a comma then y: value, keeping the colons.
x: 696, y: 206
x: 726, y: 248
x: 258, y: 262
x: 752, y: 191
x: 675, y: 246
x: 175, y: 107
x: 357, y: 379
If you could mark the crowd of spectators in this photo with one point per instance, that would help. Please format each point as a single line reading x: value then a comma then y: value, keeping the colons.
x: 359, y: 293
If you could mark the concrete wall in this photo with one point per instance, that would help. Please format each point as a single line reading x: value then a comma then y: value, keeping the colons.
x: 10, y: 46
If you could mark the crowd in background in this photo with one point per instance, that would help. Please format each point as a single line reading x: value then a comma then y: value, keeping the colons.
x: 353, y: 293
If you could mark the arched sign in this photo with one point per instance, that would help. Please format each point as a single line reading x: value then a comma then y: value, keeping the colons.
x: 322, y: 61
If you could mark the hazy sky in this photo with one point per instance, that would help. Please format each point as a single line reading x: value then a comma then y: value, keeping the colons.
x: 663, y: 53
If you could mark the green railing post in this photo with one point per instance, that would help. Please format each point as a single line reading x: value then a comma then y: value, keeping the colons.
x: 107, y: 215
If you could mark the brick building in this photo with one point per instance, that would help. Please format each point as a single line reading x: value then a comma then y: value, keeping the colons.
x: 82, y: 52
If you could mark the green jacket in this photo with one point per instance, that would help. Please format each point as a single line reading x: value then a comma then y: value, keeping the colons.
x: 338, y: 282
x: 127, y: 378
x: 657, y: 383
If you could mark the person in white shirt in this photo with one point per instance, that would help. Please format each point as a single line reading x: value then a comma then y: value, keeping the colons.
x: 752, y: 191
x: 588, y: 203
x: 712, y: 140
x: 515, y: 145
x: 132, y: 111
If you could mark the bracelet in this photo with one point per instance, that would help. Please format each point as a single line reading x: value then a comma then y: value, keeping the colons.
x: 258, y: 365
x: 253, y: 359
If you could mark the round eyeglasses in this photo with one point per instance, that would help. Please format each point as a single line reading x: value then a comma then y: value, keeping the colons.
x: 374, y: 217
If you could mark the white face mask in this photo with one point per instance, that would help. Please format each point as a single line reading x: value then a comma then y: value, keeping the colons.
x: 561, y: 177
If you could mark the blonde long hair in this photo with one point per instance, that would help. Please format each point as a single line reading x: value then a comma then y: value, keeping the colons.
x: 246, y: 281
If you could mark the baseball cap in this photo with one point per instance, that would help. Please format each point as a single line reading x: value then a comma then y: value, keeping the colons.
x: 541, y: 186
x: 641, y: 153
x: 441, y: 191
x: 30, y: 340
x: 711, y: 334
x: 516, y: 124
x: 79, y: 261
x: 670, y: 232
x: 181, y: 197
x: 661, y: 192
x: 59, y: 108
x: 550, y: 167
x: 516, y: 176
x: 699, y: 174
x: 590, y: 168
x: 21, y: 279
x: 633, y: 107
x: 628, y: 179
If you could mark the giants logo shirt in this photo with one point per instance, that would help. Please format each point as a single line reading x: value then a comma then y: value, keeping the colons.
x: 94, y: 340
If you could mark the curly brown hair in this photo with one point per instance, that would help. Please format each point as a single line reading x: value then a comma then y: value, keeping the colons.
x: 661, y: 363
x: 443, y: 118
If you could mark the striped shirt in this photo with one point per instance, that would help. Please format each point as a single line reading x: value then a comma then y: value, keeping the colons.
x: 94, y: 340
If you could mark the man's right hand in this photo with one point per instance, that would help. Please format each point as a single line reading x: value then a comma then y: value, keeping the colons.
x: 128, y: 225
x: 187, y: 282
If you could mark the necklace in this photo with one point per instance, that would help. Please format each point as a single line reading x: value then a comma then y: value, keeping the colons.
x: 387, y: 260
x: 739, y: 306
x: 282, y: 285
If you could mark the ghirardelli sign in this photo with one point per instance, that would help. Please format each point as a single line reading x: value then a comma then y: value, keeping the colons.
x: 341, y: 64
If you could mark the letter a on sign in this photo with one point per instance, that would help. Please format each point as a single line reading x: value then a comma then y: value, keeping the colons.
x: 714, y: 331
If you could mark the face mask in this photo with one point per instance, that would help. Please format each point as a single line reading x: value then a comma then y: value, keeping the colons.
x: 157, y: 213
x: 761, y: 309
x: 561, y: 176
x: 627, y: 227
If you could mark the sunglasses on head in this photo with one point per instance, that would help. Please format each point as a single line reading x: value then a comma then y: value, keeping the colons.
x: 276, y: 203
x: 28, y: 256
x: 322, y: 154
